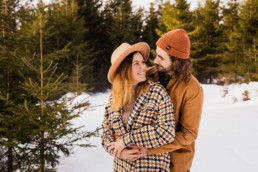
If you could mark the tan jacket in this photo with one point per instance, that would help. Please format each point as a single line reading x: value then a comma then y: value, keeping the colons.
x: 188, y: 100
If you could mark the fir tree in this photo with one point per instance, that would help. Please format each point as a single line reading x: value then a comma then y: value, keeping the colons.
x: 90, y: 11
x: 174, y: 16
x: 207, y: 42
x: 249, y: 35
x: 68, y: 30
x: 10, y: 93
x: 44, y: 121
x: 149, y: 29
x: 232, y: 65
x: 75, y: 85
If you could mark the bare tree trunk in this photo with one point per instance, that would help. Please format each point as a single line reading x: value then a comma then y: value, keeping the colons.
x: 10, y: 160
x: 255, y: 57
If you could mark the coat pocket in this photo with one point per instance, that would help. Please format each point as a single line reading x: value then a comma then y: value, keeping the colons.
x: 146, y: 116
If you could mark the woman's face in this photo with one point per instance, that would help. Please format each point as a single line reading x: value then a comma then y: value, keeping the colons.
x: 138, y: 68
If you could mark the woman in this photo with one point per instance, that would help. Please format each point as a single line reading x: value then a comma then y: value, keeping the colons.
x: 139, y: 112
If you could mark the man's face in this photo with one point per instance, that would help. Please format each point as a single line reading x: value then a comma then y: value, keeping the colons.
x: 162, y: 61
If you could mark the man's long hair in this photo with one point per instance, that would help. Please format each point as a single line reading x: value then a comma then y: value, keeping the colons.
x: 181, y: 68
x: 123, y: 90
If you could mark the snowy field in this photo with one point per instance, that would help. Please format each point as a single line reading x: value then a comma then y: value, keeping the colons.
x: 227, y: 141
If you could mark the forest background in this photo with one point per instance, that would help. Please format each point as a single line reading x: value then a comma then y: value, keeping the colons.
x: 48, y: 50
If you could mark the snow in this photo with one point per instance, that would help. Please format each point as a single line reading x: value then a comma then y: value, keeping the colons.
x: 227, y: 140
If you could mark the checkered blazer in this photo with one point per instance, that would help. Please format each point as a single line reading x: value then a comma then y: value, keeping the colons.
x: 151, y: 124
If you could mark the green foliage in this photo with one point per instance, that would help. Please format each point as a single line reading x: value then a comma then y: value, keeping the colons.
x: 174, y: 16
x: 75, y: 86
x: 46, y: 51
x: 90, y: 11
x: 249, y: 37
x: 207, y: 41
x: 35, y: 122
x: 149, y: 29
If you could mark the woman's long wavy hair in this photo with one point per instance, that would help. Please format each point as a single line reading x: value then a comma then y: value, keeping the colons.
x: 181, y: 68
x: 123, y: 90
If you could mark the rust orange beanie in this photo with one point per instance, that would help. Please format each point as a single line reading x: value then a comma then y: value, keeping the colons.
x: 176, y: 43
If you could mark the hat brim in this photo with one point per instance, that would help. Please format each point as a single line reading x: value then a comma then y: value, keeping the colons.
x: 141, y: 47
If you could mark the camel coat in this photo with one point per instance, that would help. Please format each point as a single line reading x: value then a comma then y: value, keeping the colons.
x: 187, y: 99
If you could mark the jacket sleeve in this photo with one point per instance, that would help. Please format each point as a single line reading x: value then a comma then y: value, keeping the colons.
x: 159, y: 134
x: 190, y: 120
x: 108, y: 133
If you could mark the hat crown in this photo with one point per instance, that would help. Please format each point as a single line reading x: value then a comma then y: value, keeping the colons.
x: 123, y: 51
x: 179, y: 39
x: 118, y: 51
x: 176, y: 43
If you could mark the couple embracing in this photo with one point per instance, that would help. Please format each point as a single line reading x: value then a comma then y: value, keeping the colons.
x: 153, y: 114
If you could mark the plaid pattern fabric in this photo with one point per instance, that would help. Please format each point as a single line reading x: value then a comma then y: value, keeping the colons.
x: 151, y: 124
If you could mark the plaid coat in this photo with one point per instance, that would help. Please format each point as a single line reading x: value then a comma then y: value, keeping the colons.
x: 151, y: 124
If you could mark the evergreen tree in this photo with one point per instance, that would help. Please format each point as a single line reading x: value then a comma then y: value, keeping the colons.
x: 90, y: 11
x: 207, y: 42
x: 232, y: 61
x: 75, y: 85
x: 125, y: 24
x: 67, y: 30
x: 249, y: 35
x: 10, y: 93
x: 34, y: 131
x: 49, y: 118
x: 149, y: 29
x: 174, y: 16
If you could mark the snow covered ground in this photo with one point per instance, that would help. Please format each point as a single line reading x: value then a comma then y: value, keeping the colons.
x: 227, y: 141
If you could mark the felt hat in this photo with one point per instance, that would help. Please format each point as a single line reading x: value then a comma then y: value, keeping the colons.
x: 121, y: 52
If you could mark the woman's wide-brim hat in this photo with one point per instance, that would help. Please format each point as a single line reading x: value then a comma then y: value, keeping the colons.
x: 122, y: 52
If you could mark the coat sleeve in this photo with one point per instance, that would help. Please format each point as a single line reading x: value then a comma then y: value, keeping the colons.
x: 159, y: 134
x: 108, y: 133
x: 190, y: 120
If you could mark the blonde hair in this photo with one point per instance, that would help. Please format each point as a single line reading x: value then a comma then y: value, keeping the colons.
x: 123, y: 90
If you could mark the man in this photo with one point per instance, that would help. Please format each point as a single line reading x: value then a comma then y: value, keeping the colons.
x: 173, y: 72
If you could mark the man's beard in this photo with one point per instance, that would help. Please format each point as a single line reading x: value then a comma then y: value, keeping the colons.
x: 162, y: 69
x: 167, y: 71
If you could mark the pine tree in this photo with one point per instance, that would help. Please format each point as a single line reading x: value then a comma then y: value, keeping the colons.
x: 68, y: 30
x: 249, y: 33
x: 75, y: 86
x: 125, y: 24
x: 207, y: 42
x: 10, y: 93
x: 174, y: 16
x: 90, y: 11
x: 149, y: 29
x: 232, y: 61
x: 48, y: 128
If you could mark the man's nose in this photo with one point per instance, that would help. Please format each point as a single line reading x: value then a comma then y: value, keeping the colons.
x: 155, y: 61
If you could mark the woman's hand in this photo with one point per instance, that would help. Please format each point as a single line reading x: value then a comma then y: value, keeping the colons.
x: 117, y: 146
x: 111, y: 147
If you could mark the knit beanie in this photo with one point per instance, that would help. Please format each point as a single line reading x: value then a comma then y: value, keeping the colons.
x: 175, y: 43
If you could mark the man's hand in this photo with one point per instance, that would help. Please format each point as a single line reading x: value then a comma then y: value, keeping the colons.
x: 133, y: 153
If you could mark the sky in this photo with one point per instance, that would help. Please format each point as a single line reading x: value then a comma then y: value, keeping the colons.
x: 227, y: 139
x: 145, y: 3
